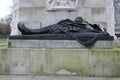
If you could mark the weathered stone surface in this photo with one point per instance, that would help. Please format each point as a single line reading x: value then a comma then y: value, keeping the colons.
x: 103, y: 62
x: 99, y: 14
x: 57, y: 78
x: 57, y: 44
x: 94, y: 78
x: 4, y: 62
x: 67, y: 62
x: 23, y: 77
x: 70, y: 62
x: 117, y: 16
x: 16, y: 77
x: 19, y: 61
x: 32, y: 3
x: 98, y: 61
x: 37, y: 61
x: 95, y: 3
x: 86, y: 13
x: 110, y: 17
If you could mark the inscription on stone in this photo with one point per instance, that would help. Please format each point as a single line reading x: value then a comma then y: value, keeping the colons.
x: 61, y: 4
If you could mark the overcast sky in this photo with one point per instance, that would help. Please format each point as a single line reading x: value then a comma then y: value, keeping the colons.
x: 5, y: 7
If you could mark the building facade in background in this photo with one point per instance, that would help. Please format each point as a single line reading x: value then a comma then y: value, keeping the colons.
x: 41, y: 13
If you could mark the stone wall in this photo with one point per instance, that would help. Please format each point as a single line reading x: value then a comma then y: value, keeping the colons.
x: 60, y: 62
x: 35, y: 14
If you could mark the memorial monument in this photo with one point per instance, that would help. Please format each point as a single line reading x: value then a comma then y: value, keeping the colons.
x: 83, y: 32
x: 36, y: 14
x: 57, y: 55
x: 41, y: 13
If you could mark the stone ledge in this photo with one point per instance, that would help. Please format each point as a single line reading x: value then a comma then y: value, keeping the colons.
x: 100, y: 44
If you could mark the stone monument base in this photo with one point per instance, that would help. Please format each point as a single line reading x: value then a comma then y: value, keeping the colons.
x: 57, y: 44
x: 57, y: 41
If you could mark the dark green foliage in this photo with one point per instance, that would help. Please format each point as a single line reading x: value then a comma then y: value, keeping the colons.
x: 4, y: 30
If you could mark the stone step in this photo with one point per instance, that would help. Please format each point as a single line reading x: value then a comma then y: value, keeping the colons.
x: 17, y: 77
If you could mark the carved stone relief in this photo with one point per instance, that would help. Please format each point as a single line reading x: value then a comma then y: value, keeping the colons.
x: 61, y: 4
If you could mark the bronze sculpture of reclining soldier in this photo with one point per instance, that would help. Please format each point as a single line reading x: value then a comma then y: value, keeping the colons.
x: 74, y: 29
x: 63, y: 26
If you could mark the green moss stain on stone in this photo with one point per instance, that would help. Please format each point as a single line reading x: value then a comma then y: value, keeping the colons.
x: 105, y: 53
x: 116, y: 46
x: 4, y: 54
x: 72, y: 60
x: 96, y: 51
x: 104, y: 61
x: 68, y: 61
x: 4, y: 61
x: 116, y: 56
x: 38, y: 60
x: 102, y: 56
x: 40, y: 70
x: 9, y: 44
x: 47, y: 56
x: 6, y: 69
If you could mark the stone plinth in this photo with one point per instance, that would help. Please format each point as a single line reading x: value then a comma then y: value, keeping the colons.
x: 57, y: 44
x: 60, y: 62
x: 103, y: 41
